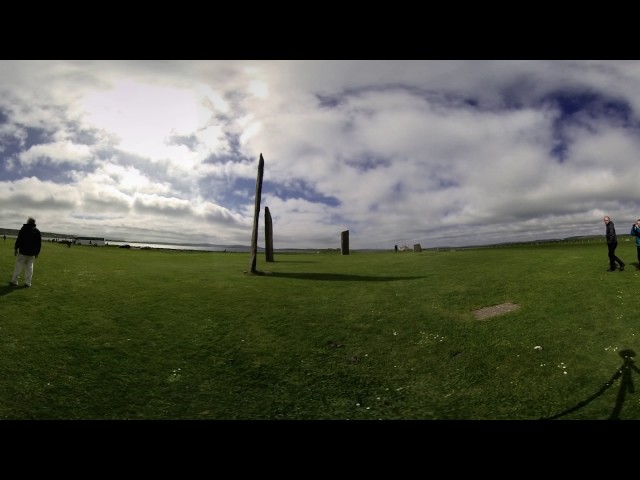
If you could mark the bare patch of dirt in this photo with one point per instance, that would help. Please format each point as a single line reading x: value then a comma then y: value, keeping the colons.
x: 495, y: 310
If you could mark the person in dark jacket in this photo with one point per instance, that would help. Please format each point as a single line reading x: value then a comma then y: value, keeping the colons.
x: 26, y: 249
x: 635, y: 232
x: 612, y: 244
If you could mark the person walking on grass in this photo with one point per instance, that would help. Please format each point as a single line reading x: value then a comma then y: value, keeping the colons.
x: 26, y: 249
x: 612, y: 244
x: 635, y: 232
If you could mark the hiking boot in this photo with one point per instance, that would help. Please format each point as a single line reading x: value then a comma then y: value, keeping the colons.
x: 13, y: 284
x: 622, y: 267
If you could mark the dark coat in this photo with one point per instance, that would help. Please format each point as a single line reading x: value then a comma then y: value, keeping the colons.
x: 29, y: 241
x: 611, y: 233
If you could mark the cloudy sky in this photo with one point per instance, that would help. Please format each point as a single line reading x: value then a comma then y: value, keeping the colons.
x: 441, y: 153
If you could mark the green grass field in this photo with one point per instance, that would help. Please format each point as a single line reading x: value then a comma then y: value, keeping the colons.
x: 109, y: 333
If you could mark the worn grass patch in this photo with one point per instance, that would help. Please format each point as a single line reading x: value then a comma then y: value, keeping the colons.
x: 495, y: 310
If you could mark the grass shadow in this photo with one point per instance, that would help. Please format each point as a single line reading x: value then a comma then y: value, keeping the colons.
x: 334, y: 277
x: 626, y: 386
x: 6, y: 289
x: 286, y: 260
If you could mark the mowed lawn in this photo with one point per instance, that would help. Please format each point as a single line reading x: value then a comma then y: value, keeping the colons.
x: 111, y: 333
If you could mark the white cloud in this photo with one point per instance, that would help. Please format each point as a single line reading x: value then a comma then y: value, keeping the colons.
x: 57, y: 153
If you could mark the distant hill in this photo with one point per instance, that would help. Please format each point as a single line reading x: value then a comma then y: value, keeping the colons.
x: 12, y: 232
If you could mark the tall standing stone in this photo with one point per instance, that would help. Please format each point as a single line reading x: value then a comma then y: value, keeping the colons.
x: 256, y: 217
x: 344, y: 242
x: 268, y: 234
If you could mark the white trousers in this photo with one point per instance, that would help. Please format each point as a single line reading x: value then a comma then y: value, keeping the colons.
x: 23, y: 262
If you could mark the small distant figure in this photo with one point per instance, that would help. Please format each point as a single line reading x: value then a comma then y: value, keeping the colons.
x: 635, y: 232
x: 4, y: 237
x: 26, y: 249
x: 612, y: 244
x: 396, y: 248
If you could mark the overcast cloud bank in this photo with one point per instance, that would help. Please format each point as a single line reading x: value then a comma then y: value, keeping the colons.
x: 397, y: 152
